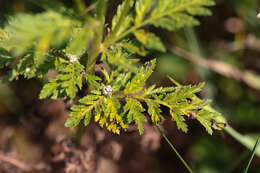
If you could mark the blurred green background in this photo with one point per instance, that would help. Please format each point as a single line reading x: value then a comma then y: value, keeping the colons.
x: 224, y: 51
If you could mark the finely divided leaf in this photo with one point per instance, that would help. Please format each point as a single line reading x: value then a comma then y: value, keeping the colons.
x: 80, y: 40
x: 38, y: 32
x: 173, y: 15
x: 150, y: 40
x: 72, y: 122
x: 177, y: 115
x: 135, y: 109
x: 121, y: 21
x: 155, y: 111
x: 142, y: 7
x: 66, y: 83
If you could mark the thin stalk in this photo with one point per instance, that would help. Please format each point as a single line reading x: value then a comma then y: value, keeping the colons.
x: 93, y: 55
x: 96, y: 44
x: 174, y: 149
x: 252, y: 155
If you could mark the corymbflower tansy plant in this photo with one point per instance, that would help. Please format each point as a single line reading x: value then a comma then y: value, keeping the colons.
x: 75, y: 43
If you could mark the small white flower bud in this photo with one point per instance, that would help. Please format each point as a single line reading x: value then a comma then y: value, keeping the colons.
x: 27, y: 70
x: 258, y: 16
x: 73, y: 58
x: 108, y: 90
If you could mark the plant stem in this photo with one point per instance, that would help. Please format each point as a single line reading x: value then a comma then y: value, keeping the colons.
x: 93, y: 55
x: 252, y: 155
x: 95, y: 49
x: 174, y: 149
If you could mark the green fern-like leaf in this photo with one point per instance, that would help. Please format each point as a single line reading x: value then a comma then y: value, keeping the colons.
x: 37, y: 32
x: 116, y: 56
x: 84, y: 110
x: 135, y: 109
x: 121, y: 20
x: 80, y: 40
x: 155, y: 111
x: 142, y: 8
x: 66, y: 83
x: 130, y: 88
x: 173, y: 15
x: 137, y: 83
x: 26, y: 67
x: 150, y: 40
x: 167, y: 14
x: 177, y: 115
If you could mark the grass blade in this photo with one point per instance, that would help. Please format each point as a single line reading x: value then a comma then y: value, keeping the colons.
x: 252, y: 155
x: 174, y: 149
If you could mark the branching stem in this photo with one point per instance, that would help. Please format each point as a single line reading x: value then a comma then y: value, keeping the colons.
x: 93, y: 55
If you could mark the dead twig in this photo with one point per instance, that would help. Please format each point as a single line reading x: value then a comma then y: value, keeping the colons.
x: 251, y: 79
x: 19, y: 164
x: 91, y: 7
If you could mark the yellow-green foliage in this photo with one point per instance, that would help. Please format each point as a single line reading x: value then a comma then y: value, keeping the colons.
x: 129, y: 88
x: 70, y: 42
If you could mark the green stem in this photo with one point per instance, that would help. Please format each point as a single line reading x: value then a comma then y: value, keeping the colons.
x: 96, y: 45
x: 93, y: 55
x: 252, y: 155
x: 174, y: 149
